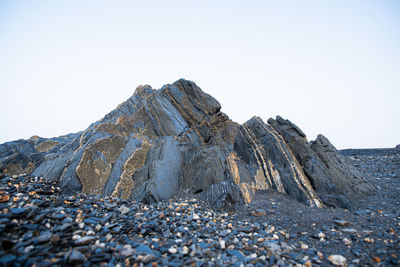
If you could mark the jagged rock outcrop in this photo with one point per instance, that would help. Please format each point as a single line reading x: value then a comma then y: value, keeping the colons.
x: 335, y: 179
x: 270, y: 163
x: 175, y: 141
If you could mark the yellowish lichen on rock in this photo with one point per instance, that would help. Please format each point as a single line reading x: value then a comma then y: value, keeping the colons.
x: 135, y: 161
x: 111, y: 129
x: 261, y: 183
x: 17, y: 169
x: 233, y: 167
x: 247, y: 192
x: 97, y: 161
x: 46, y: 146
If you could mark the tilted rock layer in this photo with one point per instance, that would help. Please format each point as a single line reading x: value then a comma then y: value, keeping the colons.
x: 175, y: 141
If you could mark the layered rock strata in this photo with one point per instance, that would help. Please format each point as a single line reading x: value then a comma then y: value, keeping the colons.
x: 175, y: 141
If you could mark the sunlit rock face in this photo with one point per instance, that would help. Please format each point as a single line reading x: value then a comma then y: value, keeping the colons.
x: 175, y: 141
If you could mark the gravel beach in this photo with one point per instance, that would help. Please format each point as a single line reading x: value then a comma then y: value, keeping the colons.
x: 40, y: 226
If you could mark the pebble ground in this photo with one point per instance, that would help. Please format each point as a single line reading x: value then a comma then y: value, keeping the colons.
x: 40, y: 226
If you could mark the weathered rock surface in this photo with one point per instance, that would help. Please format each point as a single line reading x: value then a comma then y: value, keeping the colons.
x: 175, y: 141
x: 330, y: 173
x: 264, y: 161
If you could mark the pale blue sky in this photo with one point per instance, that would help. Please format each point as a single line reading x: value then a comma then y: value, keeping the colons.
x: 331, y: 67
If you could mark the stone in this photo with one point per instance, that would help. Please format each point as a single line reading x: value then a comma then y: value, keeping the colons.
x: 349, y: 230
x: 274, y: 247
x: 28, y: 249
x: 7, y: 260
x: 341, y: 222
x: 235, y: 253
x: 222, y: 243
x: 347, y: 241
x: 319, y: 235
x: 338, y: 260
x: 172, y: 250
x: 84, y: 240
x: 303, y: 245
x: 149, y: 258
x: 17, y: 211
x: 258, y: 212
x: 185, y: 250
x: 108, y: 237
x: 4, y: 198
x: 362, y: 212
x: 127, y: 251
x: 76, y: 257
x: 44, y: 237
x: 143, y: 249
x: 376, y: 259
x: 124, y: 209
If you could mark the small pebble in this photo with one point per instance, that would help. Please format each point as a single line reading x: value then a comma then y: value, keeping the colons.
x: 338, y: 260
x: 172, y: 250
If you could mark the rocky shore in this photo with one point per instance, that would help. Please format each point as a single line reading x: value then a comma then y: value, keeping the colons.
x: 40, y: 226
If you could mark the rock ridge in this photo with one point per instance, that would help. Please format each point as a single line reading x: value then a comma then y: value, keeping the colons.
x: 175, y: 141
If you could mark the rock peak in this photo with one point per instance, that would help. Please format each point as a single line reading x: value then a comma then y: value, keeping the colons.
x: 143, y: 89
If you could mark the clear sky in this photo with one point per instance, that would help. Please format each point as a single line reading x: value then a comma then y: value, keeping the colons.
x: 331, y: 67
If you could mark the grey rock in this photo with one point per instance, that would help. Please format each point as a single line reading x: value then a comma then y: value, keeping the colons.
x: 272, y: 164
x: 258, y: 212
x: 149, y: 258
x: 175, y: 141
x: 362, y: 212
x: 127, y: 251
x: 341, y: 222
x: 338, y: 260
x: 7, y: 260
x: 124, y: 209
x: 84, y: 240
x: 76, y: 257
x: 333, y: 177
x: 143, y: 249
x: 18, y: 211
x: 346, y: 176
x: 44, y: 237
x: 349, y: 230
x: 235, y: 253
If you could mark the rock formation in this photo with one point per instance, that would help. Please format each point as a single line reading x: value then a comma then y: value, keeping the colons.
x: 175, y: 141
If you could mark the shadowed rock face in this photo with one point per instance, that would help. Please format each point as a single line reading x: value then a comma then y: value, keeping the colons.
x: 175, y: 141
x: 332, y: 176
